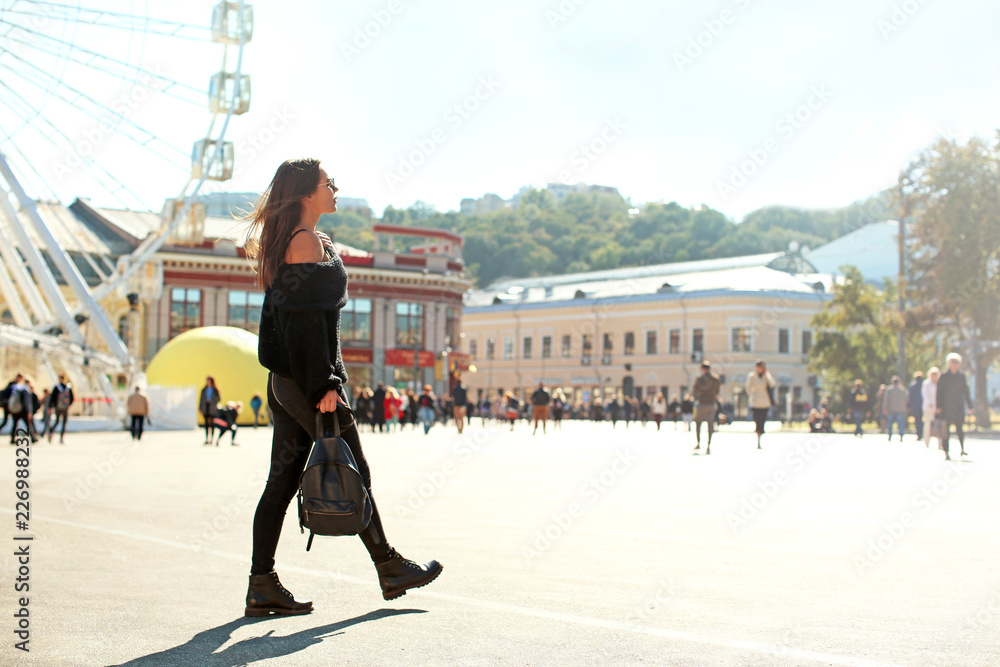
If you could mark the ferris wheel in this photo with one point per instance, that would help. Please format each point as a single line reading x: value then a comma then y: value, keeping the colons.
x: 102, y: 102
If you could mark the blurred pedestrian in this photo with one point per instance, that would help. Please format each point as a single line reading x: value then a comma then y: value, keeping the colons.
x: 426, y: 408
x: 391, y: 405
x: 138, y: 410
x: 894, y: 401
x: 687, y: 410
x: 558, y: 408
x: 915, y: 401
x: 5, y: 395
x: 674, y: 410
x: 706, y: 393
x: 208, y: 405
x: 62, y: 397
x: 20, y: 408
x: 952, y: 398
x: 540, y: 400
x: 378, y: 407
x: 256, y: 403
x: 46, y: 405
x: 929, y: 393
x: 659, y: 409
x: 460, y: 398
x: 225, y: 421
x: 859, y: 405
x: 760, y: 394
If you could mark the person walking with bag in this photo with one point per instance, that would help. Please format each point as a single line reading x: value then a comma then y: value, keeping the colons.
x: 62, y: 398
x: 760, y: 393
x: 138, y: 410
x: 305, y: 286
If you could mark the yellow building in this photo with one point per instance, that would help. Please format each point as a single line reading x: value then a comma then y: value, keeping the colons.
x: 639, y: 331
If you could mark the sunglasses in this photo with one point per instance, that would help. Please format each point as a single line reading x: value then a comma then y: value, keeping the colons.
x: 328, y: 184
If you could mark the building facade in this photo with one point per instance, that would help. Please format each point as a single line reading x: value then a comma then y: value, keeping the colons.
x: 637, y: 332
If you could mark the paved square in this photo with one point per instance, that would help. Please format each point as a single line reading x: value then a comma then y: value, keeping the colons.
x: 586, y: 546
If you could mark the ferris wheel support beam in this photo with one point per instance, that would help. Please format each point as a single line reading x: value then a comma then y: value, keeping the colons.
x: 17, y: 310
x: 68, y: 269
x: 9, y: 255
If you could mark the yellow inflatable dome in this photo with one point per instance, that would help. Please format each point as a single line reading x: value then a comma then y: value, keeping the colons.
x: 226, y: 353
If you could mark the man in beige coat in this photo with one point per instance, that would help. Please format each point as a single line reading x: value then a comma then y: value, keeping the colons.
x: 706, y: 394
x: 138, y: 409
x: 760, y: 388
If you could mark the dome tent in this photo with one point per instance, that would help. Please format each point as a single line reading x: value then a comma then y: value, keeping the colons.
x: 228, y: 354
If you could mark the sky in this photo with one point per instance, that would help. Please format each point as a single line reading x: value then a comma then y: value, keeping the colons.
x: 736, y: 104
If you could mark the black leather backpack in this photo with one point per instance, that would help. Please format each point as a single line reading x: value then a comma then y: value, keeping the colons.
x: 333, y: 499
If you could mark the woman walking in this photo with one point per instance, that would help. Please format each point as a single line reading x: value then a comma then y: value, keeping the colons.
x: 305, y: 288
x: 760, y: 388
x: 929, y: 394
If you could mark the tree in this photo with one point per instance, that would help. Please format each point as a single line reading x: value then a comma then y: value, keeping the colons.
x: 854, y: 338
x: 953, y: 191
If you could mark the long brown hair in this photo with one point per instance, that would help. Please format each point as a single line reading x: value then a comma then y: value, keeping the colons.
x: 277, y: 213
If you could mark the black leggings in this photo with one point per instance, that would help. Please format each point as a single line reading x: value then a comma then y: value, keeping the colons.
x: 958, y: 432
x: 294, y: 424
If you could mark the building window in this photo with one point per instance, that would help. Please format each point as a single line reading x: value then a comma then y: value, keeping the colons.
x: 698, y: 341
x: 609, y: 343
x: 546, y: 347
x: 807, y: 341
x: 650, y: 342
x: 783, y: 347
x: 122, y: 328
x: 567, y: 343
x: 244, y: 310
x: 508, y: 347
x: 409, y: 325
x: 473, y: 348
x: 588, y: 345
x: 629, y: 343
x: 452, y: 327
x: 356, y: 321
x: 741, y: 339
x: 185, y: 310
x: 491, y: 348
x: 526, y: 346
x: 675, y: 341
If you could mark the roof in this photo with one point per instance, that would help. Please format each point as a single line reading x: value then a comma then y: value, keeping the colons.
x: 873, y: 249
x: 638, y: 272
x: 655, y: 284
x: 405, y: 230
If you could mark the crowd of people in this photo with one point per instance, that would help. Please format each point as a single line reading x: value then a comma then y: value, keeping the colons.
x: 21, y: 404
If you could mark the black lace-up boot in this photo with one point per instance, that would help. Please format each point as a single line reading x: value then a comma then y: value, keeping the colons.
x: 267, y: 596
x: 397, y: 575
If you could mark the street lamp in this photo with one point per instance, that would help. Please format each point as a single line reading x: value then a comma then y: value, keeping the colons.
x: 491, y: 351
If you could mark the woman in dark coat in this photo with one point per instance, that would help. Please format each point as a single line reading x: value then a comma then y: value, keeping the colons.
x: 305, y: 289
x: 952, y: 399
x: 208, y: 405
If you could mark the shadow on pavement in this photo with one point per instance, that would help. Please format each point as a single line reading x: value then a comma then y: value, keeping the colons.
x: 201, y: 649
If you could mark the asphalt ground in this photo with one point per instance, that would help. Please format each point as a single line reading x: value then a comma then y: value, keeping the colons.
x: 585, y: 546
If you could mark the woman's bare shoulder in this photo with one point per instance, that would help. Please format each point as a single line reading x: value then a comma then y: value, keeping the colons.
x: 304, y: 248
